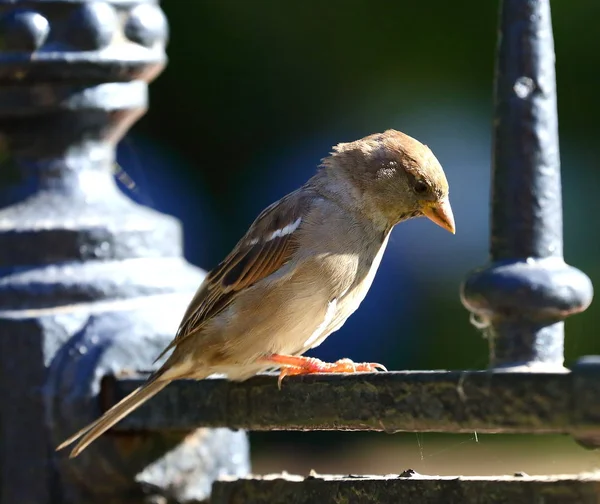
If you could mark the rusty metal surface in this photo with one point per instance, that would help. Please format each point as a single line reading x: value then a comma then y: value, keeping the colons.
x: 419, y: 401
x: 409, y: 488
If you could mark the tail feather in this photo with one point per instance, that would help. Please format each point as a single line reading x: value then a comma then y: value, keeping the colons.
x: 112, y: 416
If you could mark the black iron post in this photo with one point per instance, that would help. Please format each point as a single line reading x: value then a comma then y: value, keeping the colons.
x: 91, y: 283
x: 524, y: 295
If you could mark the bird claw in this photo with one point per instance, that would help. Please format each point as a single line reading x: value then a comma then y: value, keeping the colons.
x: 293, y: 366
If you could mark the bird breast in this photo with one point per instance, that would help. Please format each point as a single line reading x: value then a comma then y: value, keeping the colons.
x: 341, y: 307
x: 306, y: 301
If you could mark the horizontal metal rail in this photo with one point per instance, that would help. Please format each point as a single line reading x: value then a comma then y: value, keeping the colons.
x: 414, y: 401
x: 409, y: 488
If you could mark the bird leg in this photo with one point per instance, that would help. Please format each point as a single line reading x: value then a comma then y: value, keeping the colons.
x: 294, y: 365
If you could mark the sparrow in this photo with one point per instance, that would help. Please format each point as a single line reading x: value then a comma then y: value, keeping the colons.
x: 302, y: 268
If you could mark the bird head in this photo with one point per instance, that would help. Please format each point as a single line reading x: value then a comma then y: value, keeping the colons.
x: 394, y: 178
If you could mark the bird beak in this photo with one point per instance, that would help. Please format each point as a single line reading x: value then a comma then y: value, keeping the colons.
x: 441, y: 214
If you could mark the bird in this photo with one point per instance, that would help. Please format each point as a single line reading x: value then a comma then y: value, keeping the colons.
x: 302, y: 268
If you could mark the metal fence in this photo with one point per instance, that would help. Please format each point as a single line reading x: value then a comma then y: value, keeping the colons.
x: 91, y: 286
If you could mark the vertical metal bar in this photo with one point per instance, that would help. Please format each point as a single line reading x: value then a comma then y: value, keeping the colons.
x: 522, y: 298
x: 526, y: 194
x: 90, y: 283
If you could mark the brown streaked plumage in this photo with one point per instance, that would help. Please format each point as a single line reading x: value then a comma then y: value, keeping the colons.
x: 303, y: 267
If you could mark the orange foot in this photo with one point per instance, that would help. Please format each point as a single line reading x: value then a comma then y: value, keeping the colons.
x: 292, y: 365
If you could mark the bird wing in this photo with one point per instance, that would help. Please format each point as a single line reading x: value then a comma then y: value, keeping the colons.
x: 269, y: 244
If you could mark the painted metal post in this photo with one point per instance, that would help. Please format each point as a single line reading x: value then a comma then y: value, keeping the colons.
x: 524, y: 295
x: 91, y: 284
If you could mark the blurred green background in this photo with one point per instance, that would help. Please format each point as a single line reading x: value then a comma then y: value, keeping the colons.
x: 257, y: 92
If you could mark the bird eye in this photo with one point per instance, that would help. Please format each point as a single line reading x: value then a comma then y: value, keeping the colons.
x: 421, y: 187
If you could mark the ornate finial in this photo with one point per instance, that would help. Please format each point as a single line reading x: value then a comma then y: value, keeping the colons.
x: 525, y: 294
x: 91, y: 284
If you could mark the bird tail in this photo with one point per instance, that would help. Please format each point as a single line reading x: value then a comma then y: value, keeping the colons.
x: 114, y: 415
